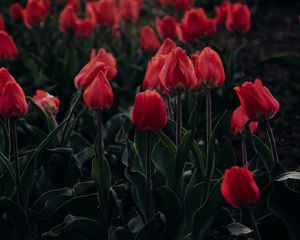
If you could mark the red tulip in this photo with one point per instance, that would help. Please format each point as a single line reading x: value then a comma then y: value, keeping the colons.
x: 13, y: 101
x: 222, y: 11
x: 178, y: 73
x: 166, y: 47
x: 183, y: 4
x: 35, y: 12
x: 149, y: 111
x: 239, y: 187
x: 84, y: 27
x: 5, y: 77
x: 130, y: 9
x: 2, y: 25
x: 67, y: 19
x: 16, y: 12
x: 109, y: 60
x: 8, y: 49
x: 239, y: 120
x: 194, y: 25
x: 238, y: 17
x: 148, y: 40
x: 47, y: 102
x: 209, y: 69
x: 257, y: 100
x: 166, y: 2
x: 99, y: 94
x: 166, y: 27
x: 106, y: 12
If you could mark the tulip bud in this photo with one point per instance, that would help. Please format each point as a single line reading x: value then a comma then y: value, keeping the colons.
x: 148, y: 40
x: 183, y: 4
x: 84, y: 27
x: 149, y: 111
x: 67, y: 19
x: 106, y: 13
x: 2, y: 25
x: 239, y: 120
x: 8, y: 49
x: 239, y: 187
x: 130, y: 9
x: 178, y: 73
x: 222, y: 11
x: 5, y: 77
x: 99, y: 94
x: 13, y: 101
x: 238, y: 17
x: 166, y: 27
x: 47, y: 102
x: 166, y: 47
x: 166, y: 2
x: 35, y: 12
x: 209, y: 69
x: 257, y: 101
x: 16, y: 12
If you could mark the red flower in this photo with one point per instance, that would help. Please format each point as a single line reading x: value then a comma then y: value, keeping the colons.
x: 106, y: 12
x: 238, y: 122
x: 222, y: 11
x: 99, y: 94
x: 166, y: 2
x: 178, y: 73
x: 109, y: 60
x: 13, y: 101
x: 257, y: 100
x: 8, y: 49
x: 67, y: 19
x: 166, y: 47
x: 239, y: 187
x: 238, y: 17
x: 84, y: 27
x: 130, y: 9
x: 35, y: 12
x: 47, y: 102
x: 5, y: 77
x: 209, y: 69
x: 166, y: 27
x: 2, y: 25
x: 183, y: 4
x: 148, y: 40
x: 194, y: 25
x: 149, y: 111
x: 16, y: 12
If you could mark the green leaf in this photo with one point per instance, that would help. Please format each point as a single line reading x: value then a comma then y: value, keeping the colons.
x: 284, y: 203
x: 74, y: 227
x: 291, y: 59
x: 8, y: 166
x: 5, y: 135
x: 237, y: 229
x: 119, y: 233
x: 140, y: 139
x: 288, y: 175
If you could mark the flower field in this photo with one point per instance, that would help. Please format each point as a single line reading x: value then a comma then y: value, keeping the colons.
x: 149, y: 119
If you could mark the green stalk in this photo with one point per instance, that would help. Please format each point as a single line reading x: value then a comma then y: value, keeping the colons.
x: 149, y: 204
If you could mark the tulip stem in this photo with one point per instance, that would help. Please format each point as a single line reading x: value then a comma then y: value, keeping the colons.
x: 208, y: 117
x: 254, y: 225
x: 149, y: 204
x: 14, y: 144
x: 69, y: 116
x: 272, y: 141
x: 244, y: 151
x: 178, y: 120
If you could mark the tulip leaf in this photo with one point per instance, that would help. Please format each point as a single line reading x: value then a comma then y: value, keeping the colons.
x: 288, y: 175
x: 140, y: 139
x: 119, y: 233
x: 5, y: 135
x: 237, y: 229
x: 75, y: 227
x: 8, y: 166
x: 284, y: 203
x: 289, y: 58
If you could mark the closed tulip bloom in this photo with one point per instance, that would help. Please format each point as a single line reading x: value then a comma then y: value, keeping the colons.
x: 166, y: 27
x: 8, y: 48
x: 149, y: 111
x: 16, y: 12
x: 239, y: 187
x: 106, y: 12
x: 129, y: 9
x: 35, y: 12
x: 109, y: 60
x: 5, y: 77
x: 178, y: 73
x: 183, y: 4
x: 47, y: 102
x: 13, y: 101
x: 257, y: 100
x: 84, y: 27
x: 222, y: 11
x: 209, y: 69
x: 166, y: 47
x: 2, y: 25
x: 166, y: 2
x: 239, y: 120
x: 67, y: 19
x: 99, y: 94
x: 238, y: 18
x: 148, y: 40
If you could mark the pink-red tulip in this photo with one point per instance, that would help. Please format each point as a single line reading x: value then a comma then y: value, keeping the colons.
x: 148, y: 40
x: 8, y: 49
x: 183, y: 4
x: 239, y: 120
x: 129, y: 9
x: 5, y: 77
x: 35, y: 12
x: 16, y: 12
x: 257, y: 100
x: 178, y: 73
x: 99, y: 94
x: 166, y: 27
x: 238, y: 18
x: 149, y: 111
x: 166, y: 47
x: 209, y: 69
x: 47, y: 102
x: 106, y: 12
x: 67, y: 19
x: 84, y: 27
x: 239, y: 187
x: 222, y: 11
